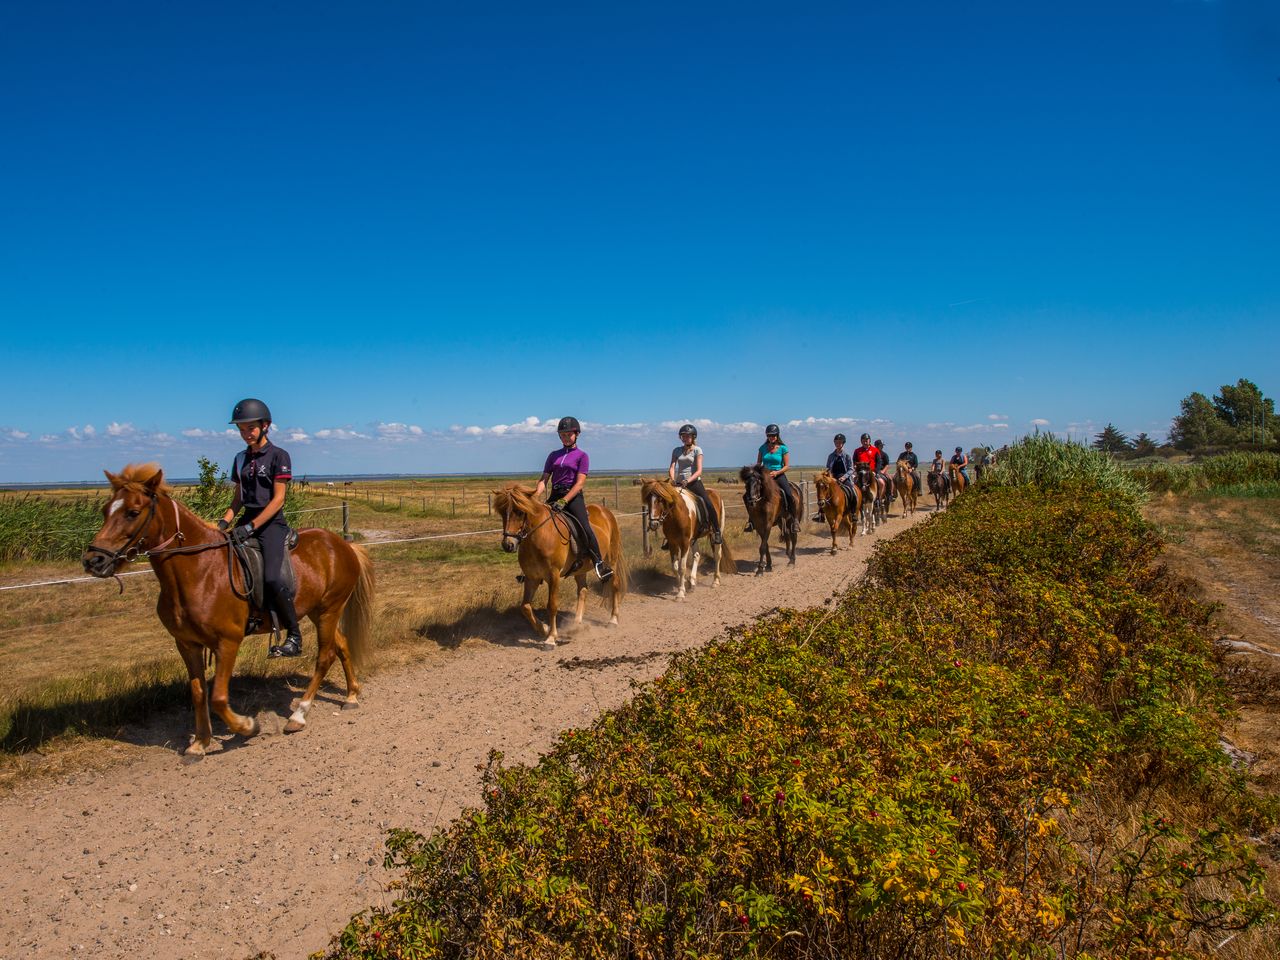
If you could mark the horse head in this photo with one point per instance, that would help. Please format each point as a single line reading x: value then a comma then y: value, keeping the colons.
x: 514, y: 504
x: 127, y: 518
x: 661, y: 496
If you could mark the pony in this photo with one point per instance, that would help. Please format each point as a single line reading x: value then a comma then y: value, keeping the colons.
x: 767, y: 507
x: 836, y: 509
x: 207, y: 614
x: 958, y: 482
x: 940, y: 487
x: 866, y: 484
x: 544, y: 541
x: 676, y: 511
x: 904, y: 479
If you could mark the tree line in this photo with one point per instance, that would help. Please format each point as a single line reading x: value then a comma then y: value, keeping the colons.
x: 1237, y: 417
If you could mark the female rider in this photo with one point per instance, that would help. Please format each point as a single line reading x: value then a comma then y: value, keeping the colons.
x: 567, y: 469
x: 686, y: 471
x: 776, y: 458
x: 840, y: 466
x: 262, y: 472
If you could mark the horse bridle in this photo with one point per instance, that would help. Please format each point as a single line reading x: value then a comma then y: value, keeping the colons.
x: 525, y: 530
x: 136, y: 545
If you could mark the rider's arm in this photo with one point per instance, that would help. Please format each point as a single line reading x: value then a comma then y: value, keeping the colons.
x: 542, y: 485
x: 671, y: 470
x: 697, y: 470
x: 576, y: 489
x: 273, y: 506
x: 786, y: 464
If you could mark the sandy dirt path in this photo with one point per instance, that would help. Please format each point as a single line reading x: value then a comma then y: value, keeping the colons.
x: 273, y: 843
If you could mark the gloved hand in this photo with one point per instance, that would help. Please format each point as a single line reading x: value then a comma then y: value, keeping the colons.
x: 242, y: 533
x: 223, y: 525
x: 558, y: 505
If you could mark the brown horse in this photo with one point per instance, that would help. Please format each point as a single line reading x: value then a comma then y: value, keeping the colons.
x: 957, y: 481
x: 767, y: 507
x: 835, y: 506
x: 904, y: 479
x: 676, y: 511
x: 204, y: 610
x: 545, y: 544
x: 940, y: 487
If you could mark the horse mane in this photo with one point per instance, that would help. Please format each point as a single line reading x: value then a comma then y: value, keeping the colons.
x: 824, y: 477
x: 659, y: 487
x: 135, y: 476
x: 513, y: 495
x: 768, y: 485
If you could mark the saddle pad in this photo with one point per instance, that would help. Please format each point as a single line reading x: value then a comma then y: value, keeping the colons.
x: 698, y: 509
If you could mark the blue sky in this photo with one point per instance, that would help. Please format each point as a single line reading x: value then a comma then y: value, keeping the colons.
x: 421, y: 231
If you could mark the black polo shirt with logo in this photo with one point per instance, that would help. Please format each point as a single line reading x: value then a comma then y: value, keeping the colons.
x: 256, y: 473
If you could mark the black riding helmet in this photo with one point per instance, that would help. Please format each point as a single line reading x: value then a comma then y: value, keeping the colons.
x: 250, y: 410
x: 568, y: 423
x: 772, y: 431
x: 840, y: 438
x: 689, y: 430
x: 959, y: 449
x: 865, y: 438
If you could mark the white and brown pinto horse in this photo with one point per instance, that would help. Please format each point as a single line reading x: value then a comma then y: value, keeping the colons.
x: 676, y: 511
x: 904, y: 480
x: 545, y: 543
x: 866, y: 482
x: 838, y: 508
x: 201, y: 605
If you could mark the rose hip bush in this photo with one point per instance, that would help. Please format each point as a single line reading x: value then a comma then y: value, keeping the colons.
x: 1002, y: 743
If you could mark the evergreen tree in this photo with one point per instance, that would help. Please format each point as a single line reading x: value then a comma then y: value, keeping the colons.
x: 1111, y: 440
x: 1143, y: 445
x: 1198, y: 424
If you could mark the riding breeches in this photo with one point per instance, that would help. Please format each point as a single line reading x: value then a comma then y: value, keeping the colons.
x: 578, y: 507
x: 274, y: 556
x: 698, y: 490
x: 785, y: 486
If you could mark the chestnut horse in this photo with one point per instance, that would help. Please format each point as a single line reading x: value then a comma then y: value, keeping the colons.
x: 543, y: 539
x: 957, y: 481
x: 205, y: 611
x: 676, y: 510
x: 833, y: 501
x: 904, y: 479
x: 767, y: 507
x: 867, y: 486
x: 940, y: 487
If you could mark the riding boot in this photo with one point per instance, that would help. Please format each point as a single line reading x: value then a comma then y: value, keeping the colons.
x: 292, y: 646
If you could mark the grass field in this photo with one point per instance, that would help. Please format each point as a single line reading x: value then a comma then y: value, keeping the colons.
x: 84, y: 658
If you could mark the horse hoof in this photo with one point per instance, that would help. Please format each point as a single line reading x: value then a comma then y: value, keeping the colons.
x: 252, y: 731
x: 351, y: 705
x: 613, y: 622
x: 293, y: 726
x: 548, y: 644
x: 196, y: 751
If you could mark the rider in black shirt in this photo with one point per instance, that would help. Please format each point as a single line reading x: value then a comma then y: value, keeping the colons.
x: 909, y: 455
x: 262, y: 472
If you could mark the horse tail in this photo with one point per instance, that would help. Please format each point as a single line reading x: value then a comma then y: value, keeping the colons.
x: 357, y: 616
x: 619, y: 559
x: 727, y: 563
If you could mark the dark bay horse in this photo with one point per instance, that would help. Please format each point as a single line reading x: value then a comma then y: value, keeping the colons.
x: 904, y: 479
x: 676, y: 511
x: 202, y: 607
x: 940, y: 487
x: 544, y: 543
x: 836, y: 509
x: 767, y: 507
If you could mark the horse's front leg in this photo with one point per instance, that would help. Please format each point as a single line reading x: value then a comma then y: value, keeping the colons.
x: 694, y: 559
x: 677, y: 568
x: 580, y: 607
x: 193, y: 656
x: 228, y: 649
x: 526, y: 606
x: 553, y: 608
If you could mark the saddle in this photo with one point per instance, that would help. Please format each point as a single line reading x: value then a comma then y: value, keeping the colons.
x: 701, y: 521
x: 577, y: 538
x: 249, y: 556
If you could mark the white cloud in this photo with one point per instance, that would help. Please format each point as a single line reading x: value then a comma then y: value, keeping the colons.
x: 1039, y: 422
x: 997, y: 416
x: 195, y: 433
x: 340, y: 433
x: 822, y: 422
x: 297, y: 436
x: 120, y: 429
x: 89, y: 431
x: 13, y: 433
x: 49, y: 438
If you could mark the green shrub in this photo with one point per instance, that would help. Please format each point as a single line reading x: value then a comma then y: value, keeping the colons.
x: 1043, y: 461
x: 1230, y: 474
x: 1002, y: 743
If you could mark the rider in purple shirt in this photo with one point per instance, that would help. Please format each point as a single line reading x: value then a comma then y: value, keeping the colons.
x: 566, y: 470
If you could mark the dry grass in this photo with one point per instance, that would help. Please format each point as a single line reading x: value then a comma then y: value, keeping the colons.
x: 83, y: 658
x: 1231, y: 546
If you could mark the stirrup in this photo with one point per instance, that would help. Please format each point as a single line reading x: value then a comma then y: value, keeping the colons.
x: 603, y: 571
x: 292, y: 647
